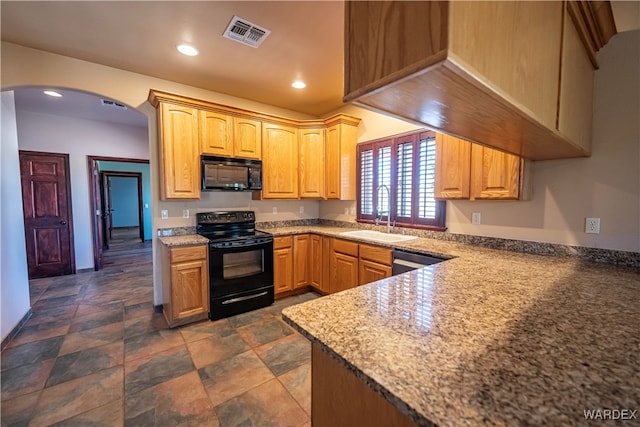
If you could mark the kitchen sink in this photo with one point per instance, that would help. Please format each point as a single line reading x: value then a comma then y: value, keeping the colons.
x: 377, y: 236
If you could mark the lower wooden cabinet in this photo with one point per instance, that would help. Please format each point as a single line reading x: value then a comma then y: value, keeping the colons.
x: 375, y: 263
x: 344, y: 265
x: 301, y: 261
x: 185, y: 283
x: 282, y: 264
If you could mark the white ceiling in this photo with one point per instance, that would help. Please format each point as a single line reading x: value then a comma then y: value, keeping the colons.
x: 306, y: 42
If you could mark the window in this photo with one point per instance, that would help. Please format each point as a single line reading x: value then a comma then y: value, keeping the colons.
x: 396, y: 179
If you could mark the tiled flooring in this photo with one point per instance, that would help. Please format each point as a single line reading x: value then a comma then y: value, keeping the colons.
x: 95, y: 353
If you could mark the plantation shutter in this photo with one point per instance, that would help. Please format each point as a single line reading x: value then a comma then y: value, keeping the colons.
x: 427, y: 205
x: 366, y: 182
x: 404, y: 184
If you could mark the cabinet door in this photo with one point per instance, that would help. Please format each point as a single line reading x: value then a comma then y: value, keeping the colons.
x: 576, y: 89
x: 216, y: 133
x: 453, y: 167
x: 371, y: 271
x: 327, y: 249
x: 340, y: 161
x: 180, y: 156
x: 494, y: 174
x: 311, y: 151
x: 315, y: 261
x: 283, y: 269
x: 301, y: 247
x: 247, y: 138
x: 344, y: 272
x: 279, y: 162
x: 189, y: 289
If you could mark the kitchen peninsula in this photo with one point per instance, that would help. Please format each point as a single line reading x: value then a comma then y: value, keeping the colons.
x: 486, y: 338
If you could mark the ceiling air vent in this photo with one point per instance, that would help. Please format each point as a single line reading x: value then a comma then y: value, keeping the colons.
x: 245, y: 32
x: 109, y: 103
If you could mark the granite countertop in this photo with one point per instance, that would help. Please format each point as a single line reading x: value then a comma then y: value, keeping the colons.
x: 186, y: 240
x: 488, y: 337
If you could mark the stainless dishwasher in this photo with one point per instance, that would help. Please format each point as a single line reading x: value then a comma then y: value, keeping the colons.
x: 404, y: 261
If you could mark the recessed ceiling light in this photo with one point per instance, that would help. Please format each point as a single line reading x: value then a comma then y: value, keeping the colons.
x: 185, y: 49
x: 299, y: 84
x: 53, y: 93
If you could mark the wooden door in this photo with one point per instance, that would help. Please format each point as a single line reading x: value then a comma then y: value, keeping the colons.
x: 301, y: 246
x: 370, y: 271
x: 97, y: 213
x: 216, y: 133
x: 453, y: 167
x: 179, y: 154
x: 189, y: 289
x: 107, y: 211
x: 311, y: 163
x: 494, y: 174
x: 280, y: 162
x: 247, y: 138
x: 46, y: 201
x: 344, y: 272
x: 316, y: 261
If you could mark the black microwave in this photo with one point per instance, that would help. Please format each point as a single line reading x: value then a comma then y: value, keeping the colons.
x: 231, y: 174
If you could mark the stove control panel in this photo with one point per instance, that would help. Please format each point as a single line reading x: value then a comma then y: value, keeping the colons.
x: 226, y: 217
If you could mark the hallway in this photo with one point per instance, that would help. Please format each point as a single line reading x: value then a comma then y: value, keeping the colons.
x: 94, y: 352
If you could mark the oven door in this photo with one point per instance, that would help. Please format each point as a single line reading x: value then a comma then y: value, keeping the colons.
x: 240, y: 278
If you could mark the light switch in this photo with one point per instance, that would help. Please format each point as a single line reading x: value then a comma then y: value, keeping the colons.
x: 164, y: 214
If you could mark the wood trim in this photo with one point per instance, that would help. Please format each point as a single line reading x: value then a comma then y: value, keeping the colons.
x: 138, y: 176
x: 96, y: 238
x: 157, y: 96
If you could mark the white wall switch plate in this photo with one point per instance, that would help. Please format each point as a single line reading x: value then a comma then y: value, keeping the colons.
x: 592, y: 226
x: 185, y: 213
x: 164, y: 214
x: 146, y: 205
x: 476, y: 218
x: 274, y: 210
x: 301, y: 209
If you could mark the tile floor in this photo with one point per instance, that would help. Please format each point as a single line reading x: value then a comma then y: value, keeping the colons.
x: 95, y: 353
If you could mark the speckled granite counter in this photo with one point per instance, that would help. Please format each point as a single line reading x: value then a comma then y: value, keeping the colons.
x: 488, y: 337
x: 190, y: 239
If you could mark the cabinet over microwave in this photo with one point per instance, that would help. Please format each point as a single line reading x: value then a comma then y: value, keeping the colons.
x: 231, y: 174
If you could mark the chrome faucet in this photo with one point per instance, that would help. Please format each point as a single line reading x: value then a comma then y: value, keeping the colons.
x: 379, y: 212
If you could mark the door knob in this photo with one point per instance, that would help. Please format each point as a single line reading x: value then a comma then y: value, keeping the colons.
x: 63, y: 222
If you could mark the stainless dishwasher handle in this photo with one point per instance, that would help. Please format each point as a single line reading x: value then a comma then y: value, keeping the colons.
x: 232, y: 300
x: 408, y: 263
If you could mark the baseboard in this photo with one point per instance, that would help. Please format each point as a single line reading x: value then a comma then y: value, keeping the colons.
x: 157, y: 308
x: 85, y: 270
x: 16, y: 329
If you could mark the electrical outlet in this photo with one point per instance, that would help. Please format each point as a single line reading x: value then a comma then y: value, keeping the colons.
x: 346, y: 211
x: 592, y: 226
x: 185, y: 213
x: 301, y: 209
x: 274, y: 210
x: 476, y: 218
x: 352, y: 210
x: 164, y: 214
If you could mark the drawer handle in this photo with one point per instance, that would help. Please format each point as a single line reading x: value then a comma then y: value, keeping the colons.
x: 233, y: 300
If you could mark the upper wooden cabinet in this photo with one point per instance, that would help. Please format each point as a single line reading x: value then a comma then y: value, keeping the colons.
x: 179, y: 152
x: 340, y: 158
x: 490, y: 72
x: 305, y: 159
x: 280, y: 161
x: 311, y: 162
x: 224, y: 135
x: 471, y: 171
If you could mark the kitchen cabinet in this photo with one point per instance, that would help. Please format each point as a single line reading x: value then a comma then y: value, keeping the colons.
x: 344, y: 265
x: 302, y: 261
x: 224, y: 135
x: 473, y: 68
x: 374, y: 263
x: 471, y: 171
x: 279, y: 161
x: 179, y: 152
x: 340, y: 158
x: 317, y: 261
x: 311, y: 163
x: 282, y: 264
x: 185, y: 283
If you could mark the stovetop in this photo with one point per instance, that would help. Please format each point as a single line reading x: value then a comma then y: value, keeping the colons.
x: 230, y: 226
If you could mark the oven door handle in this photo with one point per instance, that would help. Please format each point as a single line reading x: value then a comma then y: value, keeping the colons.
x: 239, y: 299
